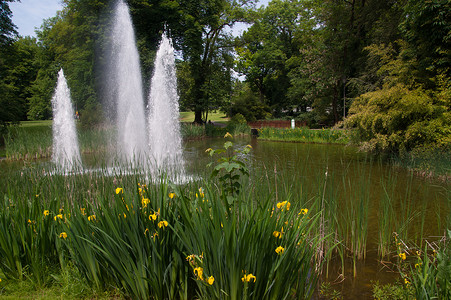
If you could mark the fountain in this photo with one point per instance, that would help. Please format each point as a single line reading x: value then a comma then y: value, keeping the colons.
x: 66, y: 153
x: 159, y: 148
x: 127, y: 91
x: 164, y: 126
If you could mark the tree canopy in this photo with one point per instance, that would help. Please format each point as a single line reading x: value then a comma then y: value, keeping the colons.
x: 361, y: 61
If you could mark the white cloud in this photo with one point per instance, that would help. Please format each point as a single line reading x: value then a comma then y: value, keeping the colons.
x: 29, y: 14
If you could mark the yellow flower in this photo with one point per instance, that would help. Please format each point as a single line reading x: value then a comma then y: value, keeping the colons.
x: 152, y: 217
x: 119, y: 190
x: 249, y: 146
x: 208, y: 150
x: 407, y: 282
x: 417, y: 265
x: 63, y: 235
x: 145, y: 201
x: 278, y: 234
x: 92, y: 218
x: 190, y: 258
x: 146, y: 231
x: 228, y: 135
x: 171, y: 195
x: 304, y: 211
x: 280, y: 250
x: 210, y: 280
x: 199, y: 272
x: 83, y: 211
x: 125, y: 216
x: 162, y: 224
x: 60, y: 216
x: 402, y: 256
x: 247, y: 278
x: 283, y: 205
x: 201, y: 193
x: 46, y: 213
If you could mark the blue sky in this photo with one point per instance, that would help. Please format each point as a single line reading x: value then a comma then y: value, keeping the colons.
x: 29, y: 14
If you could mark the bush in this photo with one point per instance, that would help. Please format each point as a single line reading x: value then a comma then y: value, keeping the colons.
x: 397, y: 119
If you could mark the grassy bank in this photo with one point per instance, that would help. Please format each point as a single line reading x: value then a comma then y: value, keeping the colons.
x: 303, y: 135
x: 215, y: 116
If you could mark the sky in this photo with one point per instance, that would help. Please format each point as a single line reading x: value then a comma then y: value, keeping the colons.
x: 29, y: 14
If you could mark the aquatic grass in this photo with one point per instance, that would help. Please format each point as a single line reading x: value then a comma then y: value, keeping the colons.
x: 189, y: 131
x: 28, y: 142
x: 353, y: 224
x: 231, y: 241
x: 27, y: 237
x: 427, y: 271
x: 304, y: 135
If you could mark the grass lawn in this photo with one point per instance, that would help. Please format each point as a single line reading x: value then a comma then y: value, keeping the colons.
x: 44, y: 123
x: 188, y: 116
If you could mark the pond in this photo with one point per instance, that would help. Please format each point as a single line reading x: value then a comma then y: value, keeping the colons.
x: 364, y: 202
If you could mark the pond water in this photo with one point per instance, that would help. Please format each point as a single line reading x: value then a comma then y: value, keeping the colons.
x: 342, y: 180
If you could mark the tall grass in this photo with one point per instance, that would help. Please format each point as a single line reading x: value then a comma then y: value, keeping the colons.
x: 304, y: 135
x: 118, y: 232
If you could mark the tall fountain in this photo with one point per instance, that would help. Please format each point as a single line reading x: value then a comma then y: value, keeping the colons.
x: 66, y: 153
x: 156, y: 147
x: 164, y: 125
x: 126, y: 89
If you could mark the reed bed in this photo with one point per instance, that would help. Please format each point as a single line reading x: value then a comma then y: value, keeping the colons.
x: 304, y: 135
x: 158, y: 240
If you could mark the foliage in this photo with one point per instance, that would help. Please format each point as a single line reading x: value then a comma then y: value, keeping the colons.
x: 402, y: 115
x: 17, y: 72
x: 277, y: 33
x: 389, y: 291
x: 427, y: 29
x: 429, y: 277
x: 206, y: 48
x: 230, y: 168
x: 247, y: 104
x: 398, y: 119
x: 7, y: 27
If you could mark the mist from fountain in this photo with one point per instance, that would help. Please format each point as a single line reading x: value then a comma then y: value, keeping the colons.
x: 156, y: 147
x: 66, y: 153
x: 127, y: 90
x: 164, y: 125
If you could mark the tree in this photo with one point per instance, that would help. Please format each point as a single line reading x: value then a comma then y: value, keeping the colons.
x: 204, y: 43
x: 277, y: 34
x: 427, y: 29
x: 7, y: 28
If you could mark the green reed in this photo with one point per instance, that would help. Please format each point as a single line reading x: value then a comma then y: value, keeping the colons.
x: 118, y: 232
x: 426, y: 271
x: 353, y: 223
x: 303, y: 134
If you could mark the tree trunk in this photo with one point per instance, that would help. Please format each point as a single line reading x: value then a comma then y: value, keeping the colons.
x: 335, y: 101
x: 198, y: 116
